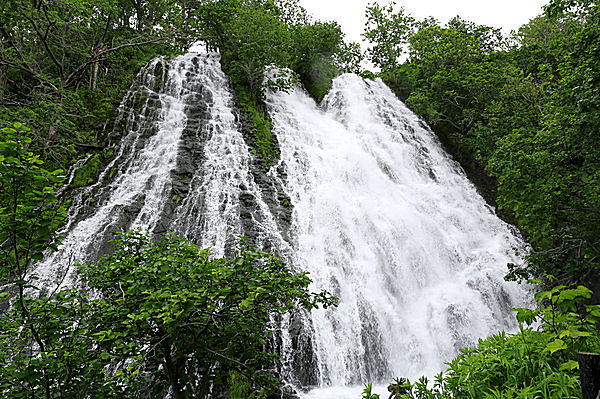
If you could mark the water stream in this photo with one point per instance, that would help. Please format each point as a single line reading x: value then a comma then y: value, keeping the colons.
x: 380, y: 216
x: 386, y: 221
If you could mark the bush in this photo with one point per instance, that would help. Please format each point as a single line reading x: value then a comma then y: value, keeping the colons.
x: 530, y: 364
x: 158, y: 316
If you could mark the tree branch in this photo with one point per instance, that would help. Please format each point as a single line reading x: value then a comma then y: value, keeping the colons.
x: 72, y: 78
x: 46, y: 46
x: 10, y: 41
x: 28, y: 70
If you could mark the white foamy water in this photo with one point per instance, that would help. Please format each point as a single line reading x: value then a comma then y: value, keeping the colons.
x: 382, y: 218
x: 211, y: 211
x: 154, y: 115
x: 387, y: 222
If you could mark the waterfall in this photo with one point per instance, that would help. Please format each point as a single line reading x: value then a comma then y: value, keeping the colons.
x: 387, y: 222
x: 362, y: 197
x: 181, y: 166
x: 128, y: 192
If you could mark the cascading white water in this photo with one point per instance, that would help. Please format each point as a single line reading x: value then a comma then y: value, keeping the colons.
x: 134, y: 190
x: 387, y: 222
x: 382, y: 217
x: 140, y: 170
x: 210, y: 212
x: 211, y: 209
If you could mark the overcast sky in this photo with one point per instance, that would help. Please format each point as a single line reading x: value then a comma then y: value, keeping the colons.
x: 505, y: 14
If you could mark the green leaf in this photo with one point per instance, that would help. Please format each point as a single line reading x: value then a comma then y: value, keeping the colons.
x: 574, y: 333
x: 526, y: 316
x: 555, y: 346
x: 569, y: 365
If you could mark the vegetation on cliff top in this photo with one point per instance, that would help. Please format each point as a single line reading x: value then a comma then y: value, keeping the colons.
x: 254, y: 35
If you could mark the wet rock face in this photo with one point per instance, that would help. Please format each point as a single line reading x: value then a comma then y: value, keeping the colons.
x: 269, y: 180
x: 190, y: 154
x: 304, y: 355
x: 300, y: 370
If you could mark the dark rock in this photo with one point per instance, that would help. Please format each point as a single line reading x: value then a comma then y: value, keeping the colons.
x: 268, y: 180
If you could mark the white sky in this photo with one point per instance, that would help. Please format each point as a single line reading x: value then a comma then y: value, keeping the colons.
x: 505, y: 14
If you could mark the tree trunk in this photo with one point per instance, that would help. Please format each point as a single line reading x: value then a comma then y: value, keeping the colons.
x: 94, y: 76
x: 589, y: 371
x: 3, y: 82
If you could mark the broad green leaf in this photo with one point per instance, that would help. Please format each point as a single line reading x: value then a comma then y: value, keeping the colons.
x: 526, y: 316
x: 569, y: 365
x: 555, y: 346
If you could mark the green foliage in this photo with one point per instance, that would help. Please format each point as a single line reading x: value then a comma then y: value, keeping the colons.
x: 261, y: 127
x: 389, y: 30
x: 348, y: 57
x: 239, y: 386
x: 571, y: 324
x: 256, y: 38
x: 29, y: 211
x: 454, y: 72
x: 156, y: 317
x: 192, y: 311
x: 47, y: 350
x: 399, y: 389
x: 314, y: 47
x: 43, y: 42
x: 530, y: 364
x: 249, y: 37
x: 367, y: 394
x: 86, y: 174
x: 65, y: 65
x: 254, y: 35
x: 319, y: 77
x: 548, y: 176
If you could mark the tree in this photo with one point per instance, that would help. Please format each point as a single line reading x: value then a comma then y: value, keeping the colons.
x: 65, y: 65
x: 249, y: 36
x: 58, y: 43
x: 44, y: 349
x: 252, y: 36
x: 549, y: 177
x: 389, y: 32
x: 315, y: 47
x: 189, y: 319
x: 155, y: 317
x: 256, y: 38
x: 29, y: 210
x: 349, y: 57
x: 455, y: 72
x: 51, y: 351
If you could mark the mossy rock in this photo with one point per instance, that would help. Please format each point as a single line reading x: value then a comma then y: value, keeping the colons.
x: 263, y: 135
x: 87, y: 174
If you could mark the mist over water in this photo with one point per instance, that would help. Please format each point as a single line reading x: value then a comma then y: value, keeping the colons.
x: 381, y: 217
